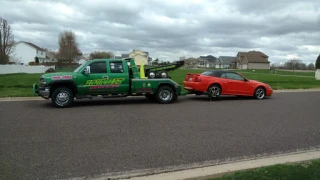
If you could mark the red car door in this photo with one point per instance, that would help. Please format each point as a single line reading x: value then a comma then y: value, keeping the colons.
x: 237, y: 85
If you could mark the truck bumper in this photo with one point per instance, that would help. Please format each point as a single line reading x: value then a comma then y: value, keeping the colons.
x: 44, y: 92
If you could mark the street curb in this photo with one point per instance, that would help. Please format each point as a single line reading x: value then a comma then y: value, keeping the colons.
x: 21, y: 99
x: 296, y: 90
x: 220, y: 170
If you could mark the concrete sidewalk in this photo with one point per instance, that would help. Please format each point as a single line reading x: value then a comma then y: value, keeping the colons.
x: 220, y: 170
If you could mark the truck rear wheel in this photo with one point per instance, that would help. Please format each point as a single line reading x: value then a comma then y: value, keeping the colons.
x: 165, y: 95
x: 62, y: 97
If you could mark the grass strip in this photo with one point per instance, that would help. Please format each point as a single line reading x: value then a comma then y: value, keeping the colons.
x: 309, y: 170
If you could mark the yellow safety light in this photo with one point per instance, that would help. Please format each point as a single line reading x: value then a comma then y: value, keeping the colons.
x: 142, y: 75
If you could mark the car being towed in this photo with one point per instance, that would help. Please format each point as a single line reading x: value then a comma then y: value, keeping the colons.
x: 224, y: 82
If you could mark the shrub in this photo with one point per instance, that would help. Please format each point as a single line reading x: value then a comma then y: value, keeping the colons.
x: 318, y: 62
x: 50, y: 70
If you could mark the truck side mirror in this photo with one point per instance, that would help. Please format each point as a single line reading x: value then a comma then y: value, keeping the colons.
x: 86, y: 71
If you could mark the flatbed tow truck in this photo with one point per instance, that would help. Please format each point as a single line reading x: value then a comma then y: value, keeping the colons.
x: 105, y: 78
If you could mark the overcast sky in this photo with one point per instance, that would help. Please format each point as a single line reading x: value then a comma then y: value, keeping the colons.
x: 169, y: 29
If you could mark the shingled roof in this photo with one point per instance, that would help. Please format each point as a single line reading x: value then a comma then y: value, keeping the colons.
x: 209, y: 58
x: 226, y: 59
x: 33, y: 45
x: 254, y: 57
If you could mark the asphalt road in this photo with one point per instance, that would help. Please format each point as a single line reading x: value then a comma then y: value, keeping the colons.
x: 38, y: 141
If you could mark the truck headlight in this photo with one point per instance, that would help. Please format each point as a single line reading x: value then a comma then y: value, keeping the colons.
x: 42, y: 81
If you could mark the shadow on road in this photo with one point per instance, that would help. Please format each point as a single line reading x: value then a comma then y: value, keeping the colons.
x: 135, y: 101
x: 223, y: 98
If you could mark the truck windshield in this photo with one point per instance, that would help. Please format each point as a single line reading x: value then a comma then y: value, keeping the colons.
x: 78, y: 68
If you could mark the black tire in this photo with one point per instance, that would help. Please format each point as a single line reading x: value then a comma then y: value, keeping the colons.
x: 175, y: 97
x: 150, y: 97
x: 214, y: 92
x: 165, y: 95
x: 67, y: 93
x: 260, y: 93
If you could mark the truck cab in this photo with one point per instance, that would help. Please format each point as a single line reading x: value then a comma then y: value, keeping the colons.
x: 104, y: 78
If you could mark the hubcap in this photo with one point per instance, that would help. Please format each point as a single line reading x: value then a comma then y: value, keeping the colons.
x: 214, y: 91
x: 62, y: 98
x: 165, y: 95
x: 260, y: 93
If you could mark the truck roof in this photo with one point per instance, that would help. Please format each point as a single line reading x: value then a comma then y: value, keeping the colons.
x: 112, y: 59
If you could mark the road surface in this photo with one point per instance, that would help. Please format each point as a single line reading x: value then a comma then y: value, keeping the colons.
x: 95, y: 138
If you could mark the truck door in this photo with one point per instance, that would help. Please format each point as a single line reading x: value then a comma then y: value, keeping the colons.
x: 118, y: 75
x: 93, y: 83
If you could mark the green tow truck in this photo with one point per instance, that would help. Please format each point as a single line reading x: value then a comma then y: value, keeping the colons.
x: 105, y: 78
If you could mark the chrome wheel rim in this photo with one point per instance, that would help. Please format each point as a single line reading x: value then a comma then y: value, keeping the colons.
x: 260, y: 93
x: 62, y: 98
x: 165, y: 95
x: 214, y: 91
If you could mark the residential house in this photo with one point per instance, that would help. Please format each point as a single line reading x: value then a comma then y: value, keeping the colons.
x: 225, y: 61
x: 123, y: 56
x: 251, y: 60
x: 190, y: 62
x: 81, y: 59
x: 25, y: 52
x: 50, y: 57
x: 207, y: 62
x: 140, y: 57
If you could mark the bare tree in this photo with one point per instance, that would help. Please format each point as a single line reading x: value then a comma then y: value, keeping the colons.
x: 311, y: 66
x: 6, y: 41
x: 101, y: 55
x: 293, y: 64
x: 68, y: 47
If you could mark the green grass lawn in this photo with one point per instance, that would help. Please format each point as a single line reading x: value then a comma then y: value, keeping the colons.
x: 298, y: 171
x: 12, y: 85
x: 279, y: 72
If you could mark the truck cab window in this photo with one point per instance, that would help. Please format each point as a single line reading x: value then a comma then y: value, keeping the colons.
x: 116, y: 67
x: 98, y: 67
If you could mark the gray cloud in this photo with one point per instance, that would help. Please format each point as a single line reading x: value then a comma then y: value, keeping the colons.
x: 170, y: 29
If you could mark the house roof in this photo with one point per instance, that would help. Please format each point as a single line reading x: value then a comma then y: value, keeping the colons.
x: 209, y: 58
x: 254, y: 57
x: 124, y: 55
x: 226, y: 59
x: 33, y: 45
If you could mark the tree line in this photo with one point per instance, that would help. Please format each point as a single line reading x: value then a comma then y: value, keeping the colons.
x: 296, y: 64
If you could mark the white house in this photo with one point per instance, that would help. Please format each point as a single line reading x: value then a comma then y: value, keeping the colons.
x: 25, y: 52
x: 140, y: 57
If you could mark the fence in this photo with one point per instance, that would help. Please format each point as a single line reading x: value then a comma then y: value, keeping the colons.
x: 10, y: 69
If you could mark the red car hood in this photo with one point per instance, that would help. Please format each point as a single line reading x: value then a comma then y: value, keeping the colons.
x: 257, y: 82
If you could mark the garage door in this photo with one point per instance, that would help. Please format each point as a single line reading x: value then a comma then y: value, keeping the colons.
x: 244, y: 66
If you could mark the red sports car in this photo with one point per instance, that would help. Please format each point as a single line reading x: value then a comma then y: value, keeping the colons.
x: 219, y: 82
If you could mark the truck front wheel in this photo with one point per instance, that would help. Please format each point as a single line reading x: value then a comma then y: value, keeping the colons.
x: 165, y: 95
x: 62, y: 97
